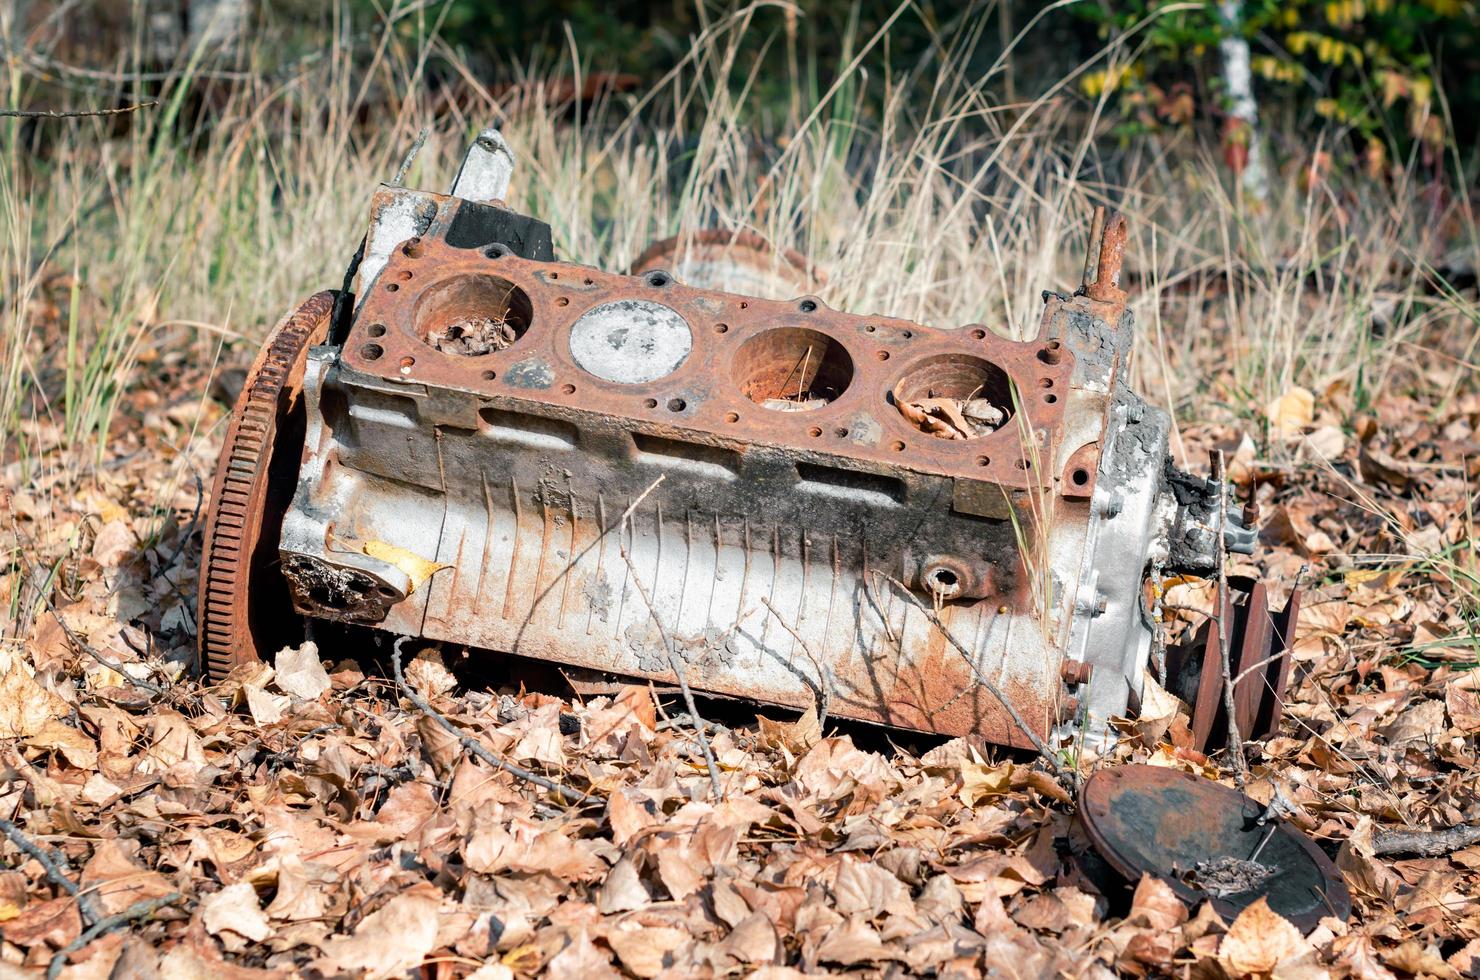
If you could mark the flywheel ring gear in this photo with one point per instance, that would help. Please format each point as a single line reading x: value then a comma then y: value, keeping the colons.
x: 244, y: 612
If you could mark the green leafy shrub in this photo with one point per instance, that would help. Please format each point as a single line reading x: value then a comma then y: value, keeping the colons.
x: 1370, y: 67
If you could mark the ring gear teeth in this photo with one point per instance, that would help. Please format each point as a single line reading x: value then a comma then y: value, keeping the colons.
x: 253, y: 486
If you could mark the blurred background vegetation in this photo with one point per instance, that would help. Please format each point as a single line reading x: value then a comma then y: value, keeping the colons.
x: 1383, y: 78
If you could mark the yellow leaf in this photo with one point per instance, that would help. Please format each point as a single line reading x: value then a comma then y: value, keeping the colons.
x: 417, y: 568
x: 1290, y: 413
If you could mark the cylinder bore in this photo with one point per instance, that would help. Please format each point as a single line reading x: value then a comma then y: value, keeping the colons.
x: 792, y: 369
x: 472, y: 315
x: 954, y: 396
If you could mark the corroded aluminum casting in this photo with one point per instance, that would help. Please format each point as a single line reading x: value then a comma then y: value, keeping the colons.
x: 518, y: 454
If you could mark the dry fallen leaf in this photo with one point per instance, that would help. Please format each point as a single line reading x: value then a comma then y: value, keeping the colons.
x: 235, y: 909
x: 1258, y: 941
x: 1290, y: 413
x: 25, y: 706
x: 391, y: 940
x: 300, y: 672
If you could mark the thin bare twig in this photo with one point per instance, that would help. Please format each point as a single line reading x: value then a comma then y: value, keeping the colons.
x: 683, y: 684
x: 83, y: 646
x: 1225, y: 604
x: 673, y: 664
x: 73, y: 113
x: 53, y: 864
x: 138, y: 910
x: 992, y: 689
x: 473, y: 745
x: 824, y: 682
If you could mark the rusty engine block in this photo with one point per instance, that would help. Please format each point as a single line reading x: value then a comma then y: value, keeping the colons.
x: 935, y: 529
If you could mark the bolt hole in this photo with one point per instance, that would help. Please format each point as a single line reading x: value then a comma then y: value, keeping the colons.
x: 984, y: 461
x: 404, y: 275
x: 744, y: 305
x: 944, y: 578
x: 489, y: 375
x: 869, y: 328
x: 375, y: 330
x: 1024, y: 464
x: 568, y: 389
x: 978, y: 334
x: 897, y: 446
x: 732, y: 416
x: 814, y: 432
x: 407, y: 363
x: 840, y: 432
x: 1045, y: 382
x: 651, y: 403
x: 391, y: 287
x: 554, y: 275
x: 1050, y: 398
x: 588, y: 281
x: 657, y: 280
x: 496, y: 251
x: 1080, y: 477
x: 677, y: 404
x: 562, y: 301
x: 412, y: 248
x: 372, y: 352
x: 882, y: 355
x: 907, y: 334
x: 808, y: 306
x: 721, y: 328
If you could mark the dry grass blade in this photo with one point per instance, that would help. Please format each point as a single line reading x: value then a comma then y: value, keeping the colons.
x: 74, y: 113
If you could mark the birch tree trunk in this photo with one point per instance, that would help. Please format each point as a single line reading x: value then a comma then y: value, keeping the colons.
x: 1239, y: 77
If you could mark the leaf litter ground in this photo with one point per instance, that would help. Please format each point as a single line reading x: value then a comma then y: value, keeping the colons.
x: 307, y: 819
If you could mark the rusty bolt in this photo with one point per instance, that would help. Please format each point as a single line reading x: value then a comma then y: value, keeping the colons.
x: 1076, y: 672
x: 1068, y: 709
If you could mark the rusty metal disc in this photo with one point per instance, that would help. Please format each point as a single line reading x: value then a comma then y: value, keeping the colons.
x: 1176, y: 827
x: 244, y: 611
x: 735, y: 261
x: 1258, y: 639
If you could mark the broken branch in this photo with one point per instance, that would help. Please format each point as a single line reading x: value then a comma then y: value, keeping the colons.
x: 683, y: 684
x: 1425, y: 843
x: 83, y: 647
x: 472, y: 744
x: 138, y: 910
x: 53, y: 867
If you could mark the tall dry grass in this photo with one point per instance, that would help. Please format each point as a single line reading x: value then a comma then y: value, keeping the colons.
x: 195, y: 225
